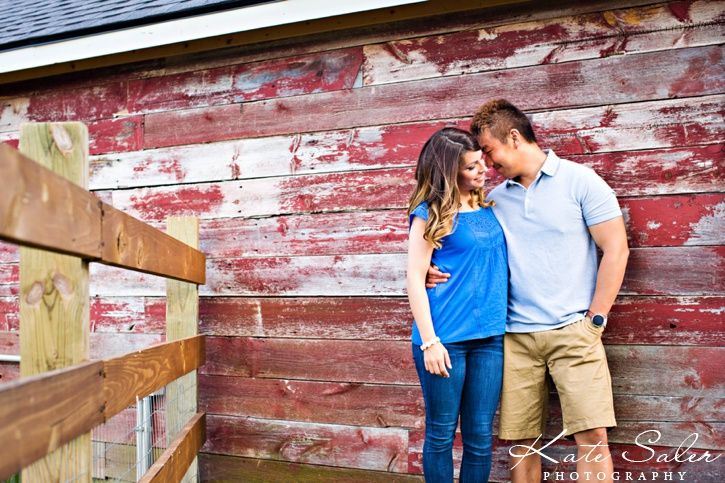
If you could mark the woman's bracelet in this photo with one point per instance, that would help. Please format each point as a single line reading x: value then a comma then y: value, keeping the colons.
x: 430, y: 343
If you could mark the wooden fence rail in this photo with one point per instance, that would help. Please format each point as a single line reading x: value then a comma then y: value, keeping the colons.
x: 46, y: 417
x: 173, y: 463
x: 39, y: 414
x: 82, y: 225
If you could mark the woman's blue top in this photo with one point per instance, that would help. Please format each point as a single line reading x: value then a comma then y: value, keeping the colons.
x: 472, y: 304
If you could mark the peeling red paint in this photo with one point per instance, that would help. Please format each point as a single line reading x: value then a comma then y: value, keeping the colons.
x: 116, y: 135
x: 84, y: 104
x: 453, y: 50
x: 673, y: 220
x: 319, y: 72
x: 694, y: 79
x: 13, y: 143
x: 159, y: 204
x: 681, y: 10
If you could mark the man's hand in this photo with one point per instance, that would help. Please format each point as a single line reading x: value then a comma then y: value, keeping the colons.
x: 435, y: 276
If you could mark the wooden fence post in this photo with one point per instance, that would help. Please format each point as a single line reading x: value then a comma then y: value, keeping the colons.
x: 182, y: 316
x: 54, y: 304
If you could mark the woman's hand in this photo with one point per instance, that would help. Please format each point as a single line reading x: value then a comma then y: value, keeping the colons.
x: 436, y: 360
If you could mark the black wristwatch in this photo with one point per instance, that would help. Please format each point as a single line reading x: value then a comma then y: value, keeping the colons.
x: 599, y: 320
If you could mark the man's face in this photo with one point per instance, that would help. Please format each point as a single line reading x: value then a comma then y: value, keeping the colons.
x: 501, y: 156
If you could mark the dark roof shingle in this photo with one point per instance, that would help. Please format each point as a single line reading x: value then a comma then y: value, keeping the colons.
x: 32, y: 22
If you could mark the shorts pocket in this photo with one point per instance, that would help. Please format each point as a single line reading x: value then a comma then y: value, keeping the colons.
x: 591, y: 327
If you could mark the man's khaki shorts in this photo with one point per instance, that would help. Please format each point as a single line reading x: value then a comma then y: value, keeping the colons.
x: 575, y: 358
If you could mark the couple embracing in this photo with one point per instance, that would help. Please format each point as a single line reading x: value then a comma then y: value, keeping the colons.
x: 507, y: 287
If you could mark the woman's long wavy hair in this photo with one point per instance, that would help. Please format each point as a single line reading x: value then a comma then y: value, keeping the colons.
x: 437, y: 181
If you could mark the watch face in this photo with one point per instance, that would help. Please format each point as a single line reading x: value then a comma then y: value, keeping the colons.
x: 598, y: 320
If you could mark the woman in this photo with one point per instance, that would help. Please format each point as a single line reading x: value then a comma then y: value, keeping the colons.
x: 459, y: 325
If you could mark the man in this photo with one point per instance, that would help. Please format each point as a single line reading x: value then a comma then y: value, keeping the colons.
x: 553, y: 213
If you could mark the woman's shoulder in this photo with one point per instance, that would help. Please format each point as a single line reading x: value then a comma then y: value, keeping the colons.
x: 421, y: 211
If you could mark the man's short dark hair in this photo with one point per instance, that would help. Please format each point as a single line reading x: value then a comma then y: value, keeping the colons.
x: 500, y: 116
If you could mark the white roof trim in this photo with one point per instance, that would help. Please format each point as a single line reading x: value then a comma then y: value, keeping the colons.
x: 183, y: 30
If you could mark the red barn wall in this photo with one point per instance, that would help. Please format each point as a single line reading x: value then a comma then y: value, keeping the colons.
x: 298, y: 157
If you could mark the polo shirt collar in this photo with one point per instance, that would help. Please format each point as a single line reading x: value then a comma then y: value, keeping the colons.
x: 549, y: 168
x: 551, y: 164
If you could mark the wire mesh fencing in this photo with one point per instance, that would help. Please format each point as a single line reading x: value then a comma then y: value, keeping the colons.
x: 128, y: 444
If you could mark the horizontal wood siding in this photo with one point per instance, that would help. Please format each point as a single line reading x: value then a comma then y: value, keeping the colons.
x: 298, y: 158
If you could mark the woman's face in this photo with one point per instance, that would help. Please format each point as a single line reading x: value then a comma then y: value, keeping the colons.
x: 471, y: 171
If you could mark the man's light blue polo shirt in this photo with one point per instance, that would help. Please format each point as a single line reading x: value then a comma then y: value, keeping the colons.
x: 551, y: 255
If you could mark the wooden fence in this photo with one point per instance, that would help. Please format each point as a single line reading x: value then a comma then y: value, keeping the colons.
x: 49, y: 413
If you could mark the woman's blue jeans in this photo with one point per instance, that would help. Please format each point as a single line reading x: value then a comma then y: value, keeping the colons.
x: 472, y: 392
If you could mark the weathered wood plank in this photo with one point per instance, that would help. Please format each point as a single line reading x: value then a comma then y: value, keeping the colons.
x: 9, y: 314
x: 646, y: 125
x: 131, y: 243
x: 376, y: 318
x: 639, y: 370
x: 105, y: 136
x: 667, y: 321
x: 285, y: 47
x: 348, y: 274
x: 128, y: 315
x: 231, y: 468
x: 382, y: 449
x: 675, y: 220
x: 661, y: 171
x: 660, y: 221
x: 9, y: 371
x: 634, y: 320
x: 31, y: 212
x: 41, y: 414
x: 270, y: 196
x: 102, y: 345
x: 390, y: 405
x: 666, y: 409
x: 10, y: 139
x: 175, y: 461
x: 316, y: 360
x: 353, y: 149
x: 137, y: 322
x: 11, y: 106
x: 318, y: 72
x: 697, y: 168
x: 9, y: 252
x: 619, y: 79
x: 116, y: 135
x: 690, y: 370
x: 13, y: 112
x: 319, y: 402
x: 673, y: 271
x: 137, y: 374
x: 87, y: 104
x: 368, y: 232
x: 564, y: 39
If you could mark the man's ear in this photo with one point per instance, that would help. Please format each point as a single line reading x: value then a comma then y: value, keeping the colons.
x: 515, y: 137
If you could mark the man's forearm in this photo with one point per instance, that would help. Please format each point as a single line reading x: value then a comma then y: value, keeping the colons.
x: 609, y: 279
